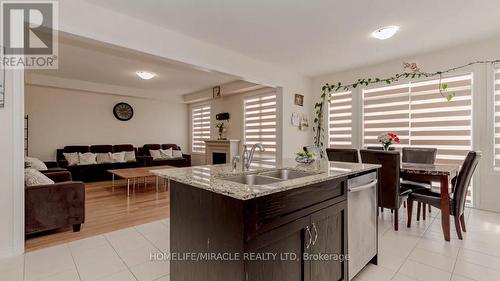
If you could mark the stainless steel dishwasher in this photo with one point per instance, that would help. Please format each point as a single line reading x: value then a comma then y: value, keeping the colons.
x: 362, y: 233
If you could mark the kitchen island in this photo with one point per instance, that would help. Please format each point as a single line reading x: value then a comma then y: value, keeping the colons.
x: 287, y: 222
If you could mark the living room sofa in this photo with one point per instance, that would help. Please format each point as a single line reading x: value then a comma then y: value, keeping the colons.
x: 96, y: 172
x: 145, y: 154
x: 54, y: 206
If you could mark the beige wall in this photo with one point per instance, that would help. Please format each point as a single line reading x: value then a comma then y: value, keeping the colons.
x: 233, y: 104
x: 60, y: 117
x: 11, y: 167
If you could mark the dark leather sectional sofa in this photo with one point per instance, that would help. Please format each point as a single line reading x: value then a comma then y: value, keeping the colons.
x: 144, y: 153
x: 99, y: 172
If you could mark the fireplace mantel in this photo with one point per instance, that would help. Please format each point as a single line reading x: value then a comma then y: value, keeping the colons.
x: 229, y: 147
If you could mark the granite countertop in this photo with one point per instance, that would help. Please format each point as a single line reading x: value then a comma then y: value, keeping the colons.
x: 210, y: 177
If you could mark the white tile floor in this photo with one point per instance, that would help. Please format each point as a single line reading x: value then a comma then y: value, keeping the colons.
x: 418, y: 253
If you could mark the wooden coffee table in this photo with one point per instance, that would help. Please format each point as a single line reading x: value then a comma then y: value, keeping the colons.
x: 135, y: 174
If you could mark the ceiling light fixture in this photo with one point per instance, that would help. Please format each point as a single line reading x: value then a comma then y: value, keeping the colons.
x: 145, y: 75
x: 385, y: 32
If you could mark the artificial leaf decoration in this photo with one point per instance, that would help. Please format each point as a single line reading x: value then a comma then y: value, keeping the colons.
x: 328, y: 90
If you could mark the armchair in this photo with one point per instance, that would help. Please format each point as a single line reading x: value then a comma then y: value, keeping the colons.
x: 56, y: 205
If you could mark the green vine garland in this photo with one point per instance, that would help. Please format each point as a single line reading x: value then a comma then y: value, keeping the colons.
x: 329, y: 89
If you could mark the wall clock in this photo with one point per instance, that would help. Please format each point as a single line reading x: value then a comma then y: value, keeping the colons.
x: 123, y: 111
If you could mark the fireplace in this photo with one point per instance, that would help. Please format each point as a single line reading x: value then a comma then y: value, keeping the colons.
x: 221, y: 151
x: 219, y: 158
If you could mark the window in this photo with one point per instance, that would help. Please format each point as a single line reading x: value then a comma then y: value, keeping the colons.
x: 421, y: 117
x: 435, y: 122
x: 200, y: 118
x: 340, y: 120
x: 260, y: 126
x: 497, y: 119
x: 386, y: 109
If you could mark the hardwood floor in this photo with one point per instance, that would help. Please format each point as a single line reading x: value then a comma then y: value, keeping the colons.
x: 106, y: 211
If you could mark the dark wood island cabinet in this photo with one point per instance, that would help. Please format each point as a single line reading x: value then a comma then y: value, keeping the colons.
x: 289, y: 230
x: 310, y: 220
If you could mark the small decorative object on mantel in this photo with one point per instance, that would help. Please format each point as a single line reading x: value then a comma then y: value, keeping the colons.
x: 304, y: 157
x: 299, y: 100
x: 216, y: 92
x: 123, y: 111
x: 388, y: 139
x: 221, y: 126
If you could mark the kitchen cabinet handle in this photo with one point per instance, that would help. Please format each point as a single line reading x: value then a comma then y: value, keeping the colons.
x: 315, y: 234
x: 363, y: 187
x: 310, y: 237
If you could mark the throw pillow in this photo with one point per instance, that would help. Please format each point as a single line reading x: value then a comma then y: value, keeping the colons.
x: 155, y: 154
x: 88, y: 158
x: 72, y: 158
x: 176, y: 153
x: 103, y: 158
x: 166, y: 153
x: 130, y: 156
x: 35, y: 163
x: 118, y: 157
x: 33, y: 177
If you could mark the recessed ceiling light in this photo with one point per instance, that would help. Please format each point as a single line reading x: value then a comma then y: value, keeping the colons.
x: 385, y: 32
x: 145, y: 74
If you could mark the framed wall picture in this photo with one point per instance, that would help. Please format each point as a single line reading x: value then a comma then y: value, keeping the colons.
x: 299, y: 100
x: 216, y: 92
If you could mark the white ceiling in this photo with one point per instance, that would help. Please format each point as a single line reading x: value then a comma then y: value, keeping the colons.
x: 317, y: 36
x: 91, y: 61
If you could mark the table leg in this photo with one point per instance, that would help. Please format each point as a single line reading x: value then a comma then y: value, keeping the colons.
x: 113, y: 186
x: 445, y: 207
x: 128, y: 187
x: 157, y: 182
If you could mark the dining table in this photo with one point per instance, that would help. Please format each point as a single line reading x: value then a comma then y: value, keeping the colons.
x: 442, y: 173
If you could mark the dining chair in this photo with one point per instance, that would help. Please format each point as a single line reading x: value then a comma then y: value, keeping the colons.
x: 343, y: 155
x: 314, y: 149
x: 390, y: 192
x: 458, y: 196
x: 419, y: 155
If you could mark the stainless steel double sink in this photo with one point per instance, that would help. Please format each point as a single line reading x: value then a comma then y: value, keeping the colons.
x: 269, y: 177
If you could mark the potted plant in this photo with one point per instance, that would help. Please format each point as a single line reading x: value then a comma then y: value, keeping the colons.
x: 221, y: 126
x: 388, y: 139
x: 304, y: 157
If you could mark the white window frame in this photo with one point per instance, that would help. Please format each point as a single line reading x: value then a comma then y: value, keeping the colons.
x: 278, y: 127
x: 329, y: 111
x: 192, y: 127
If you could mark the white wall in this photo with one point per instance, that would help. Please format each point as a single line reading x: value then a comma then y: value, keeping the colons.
x: 83, y: 19
x: 122, y: 30
x: 486, y: 191
x: 11, y: 167
x: 233, y: 104
x: 60, y: 117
